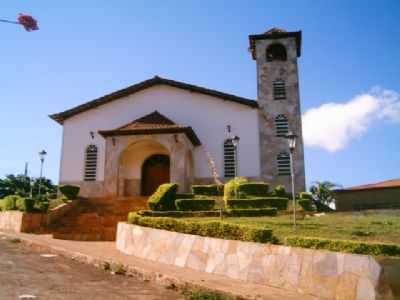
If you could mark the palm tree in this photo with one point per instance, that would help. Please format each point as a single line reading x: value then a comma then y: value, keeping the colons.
x: 322, y: 191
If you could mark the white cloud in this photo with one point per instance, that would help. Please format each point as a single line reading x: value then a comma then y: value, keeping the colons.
x: 332, y: 126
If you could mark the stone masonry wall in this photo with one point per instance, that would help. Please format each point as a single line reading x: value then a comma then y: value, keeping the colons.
x: 271, y: 146
x: 327, y: 275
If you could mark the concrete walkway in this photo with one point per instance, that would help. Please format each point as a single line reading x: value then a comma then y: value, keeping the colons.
x: 99, y: 253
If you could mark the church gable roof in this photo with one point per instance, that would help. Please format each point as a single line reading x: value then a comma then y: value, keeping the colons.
x: 153, y: 123
x: 60, y: 117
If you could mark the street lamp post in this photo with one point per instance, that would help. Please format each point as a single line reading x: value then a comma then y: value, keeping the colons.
x: 235, y: 142
x: 42, y: 155
x: 291, y: 138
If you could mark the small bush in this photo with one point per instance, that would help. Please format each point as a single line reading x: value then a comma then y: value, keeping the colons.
x: 70, y: 191
x: 306, y: 204
x: 208, y: 190
x: 164, y: 197
x: 26, y: 205
x: 252, y: 189
x: 44, y: 206
x: 277, y: 202
x: 230, y: 188
x: 280, y: 191
x: 179, y: 214
x: 251, y: 212
x: 345, y: 246
x: 205, y: 295
x: 195, y: 204
x: 220, y: 230
x: 184, y: 196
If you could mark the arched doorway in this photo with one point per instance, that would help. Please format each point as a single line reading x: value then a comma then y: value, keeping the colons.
x: 155, y: 171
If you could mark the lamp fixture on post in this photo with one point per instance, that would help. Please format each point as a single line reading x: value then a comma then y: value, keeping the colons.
x: 42, y: 155
x: 291, y: 139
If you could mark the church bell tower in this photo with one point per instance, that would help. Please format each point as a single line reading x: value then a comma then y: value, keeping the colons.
x: 276, y: 52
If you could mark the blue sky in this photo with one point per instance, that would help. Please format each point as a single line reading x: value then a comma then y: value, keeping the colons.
x: 85, y: 49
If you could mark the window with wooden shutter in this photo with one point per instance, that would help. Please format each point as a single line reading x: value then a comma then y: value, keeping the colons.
x: 229, y: 159
x: 281, y: 126
x: 283, y: 164
x: 91, y: 163
x: 279, y: 89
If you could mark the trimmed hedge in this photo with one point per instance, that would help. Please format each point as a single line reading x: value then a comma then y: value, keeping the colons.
x: 252, y: 189
x: 219, y: 230
x: 280, y: 191
x: 345, y: 246
x: 195, y: 204
x: 208, y: 190
x: 306, y: 204
x: 184, y: 196
x: 230, y: 187
x: 70, y: 191
x: 252, y: 212
x: 164, y: 197
x: 305, y: 196
x: 179, y: 214
x: 277, y: 202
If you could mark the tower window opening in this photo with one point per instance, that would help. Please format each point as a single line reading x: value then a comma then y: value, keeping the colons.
x: 276, y: 52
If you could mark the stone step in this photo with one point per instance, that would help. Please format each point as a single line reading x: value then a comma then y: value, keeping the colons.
x: 96, y: 219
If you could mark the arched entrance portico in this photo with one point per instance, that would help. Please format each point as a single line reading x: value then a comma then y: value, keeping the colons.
x: 128, y: 147
x: 155, y: 171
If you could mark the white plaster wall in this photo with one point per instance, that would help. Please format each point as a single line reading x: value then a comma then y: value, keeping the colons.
x: 207, y: 115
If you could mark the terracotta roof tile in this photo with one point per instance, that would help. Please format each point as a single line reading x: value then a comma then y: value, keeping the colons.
x: 383, y: 184
x: 62, y: 116
x: 153, y: 123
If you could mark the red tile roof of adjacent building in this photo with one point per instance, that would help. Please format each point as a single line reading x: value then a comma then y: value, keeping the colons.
x: 378, y: 185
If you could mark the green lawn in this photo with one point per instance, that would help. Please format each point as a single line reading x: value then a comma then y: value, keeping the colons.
x: 383, y: 226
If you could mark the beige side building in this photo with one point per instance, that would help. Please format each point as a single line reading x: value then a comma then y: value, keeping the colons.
x: 380, y: 195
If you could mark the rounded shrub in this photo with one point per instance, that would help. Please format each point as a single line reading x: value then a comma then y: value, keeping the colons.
x: 70, y: 191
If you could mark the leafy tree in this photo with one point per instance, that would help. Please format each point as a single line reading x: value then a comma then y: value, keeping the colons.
x: 21, y: 185
x: 322, y: 191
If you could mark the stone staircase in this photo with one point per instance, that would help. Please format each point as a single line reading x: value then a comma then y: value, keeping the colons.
x: 95, y: 219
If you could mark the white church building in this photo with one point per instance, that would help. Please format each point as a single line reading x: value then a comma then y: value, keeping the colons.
x: 128, y: 142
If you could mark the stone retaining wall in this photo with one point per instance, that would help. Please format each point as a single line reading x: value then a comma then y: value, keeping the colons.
x: 328, y: 275
x: 18, y: 221
x: 21, y: 222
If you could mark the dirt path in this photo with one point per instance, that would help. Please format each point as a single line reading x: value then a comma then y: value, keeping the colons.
x: 25, y: 272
